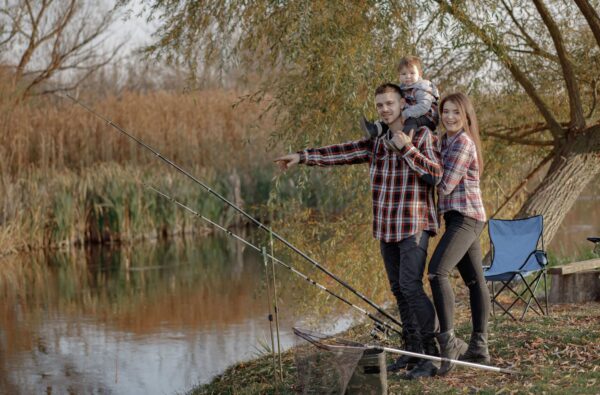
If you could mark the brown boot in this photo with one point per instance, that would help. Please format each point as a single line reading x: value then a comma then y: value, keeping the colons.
x: 478, y: 349
x: 451, y: 348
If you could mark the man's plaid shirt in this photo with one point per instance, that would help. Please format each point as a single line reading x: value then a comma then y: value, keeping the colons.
x: 459, y: 188
x: 403, y: 204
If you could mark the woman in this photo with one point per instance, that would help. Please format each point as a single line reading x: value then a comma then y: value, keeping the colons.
x: 459, y: 200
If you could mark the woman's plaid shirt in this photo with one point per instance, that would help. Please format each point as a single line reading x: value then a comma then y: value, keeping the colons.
x: 459, y: 188
x: 403, y: 203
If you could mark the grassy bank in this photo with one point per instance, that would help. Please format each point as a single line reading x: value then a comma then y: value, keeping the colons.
x: 557, y: 354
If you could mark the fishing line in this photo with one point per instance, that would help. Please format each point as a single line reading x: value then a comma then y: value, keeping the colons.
x: 239, y: 210
x: 274, y: 259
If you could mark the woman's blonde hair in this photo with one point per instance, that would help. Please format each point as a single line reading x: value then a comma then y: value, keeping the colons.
x: 469, y: 120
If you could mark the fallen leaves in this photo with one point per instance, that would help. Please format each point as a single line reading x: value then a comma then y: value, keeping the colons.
x: 559, y: 353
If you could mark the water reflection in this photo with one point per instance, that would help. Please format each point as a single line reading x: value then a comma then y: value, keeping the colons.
x: 153, y: 319
x: 581, y: 222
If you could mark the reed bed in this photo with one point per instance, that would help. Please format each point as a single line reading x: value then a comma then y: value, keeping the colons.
x: 102, y: 204
x: 201, y: 128
x: 68, y: 178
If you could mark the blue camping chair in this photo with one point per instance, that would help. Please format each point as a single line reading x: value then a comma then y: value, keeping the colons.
x: 517, y: 259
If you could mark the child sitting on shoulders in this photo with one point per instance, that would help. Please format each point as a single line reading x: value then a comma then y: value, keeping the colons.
x: 421, y: 97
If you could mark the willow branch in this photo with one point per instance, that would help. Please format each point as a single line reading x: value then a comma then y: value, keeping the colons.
x: 61, y: 23
x: 424, y: 30
x: 534, y: 53
x: 15, y: 23
x: 522, y: 141
x: 525, y: 130
x: 537, y: 50
x: 502, y: 53
x: 575, y: 105
x: 591, y: 16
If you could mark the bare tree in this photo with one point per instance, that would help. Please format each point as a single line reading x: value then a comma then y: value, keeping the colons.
x: 41, y: 40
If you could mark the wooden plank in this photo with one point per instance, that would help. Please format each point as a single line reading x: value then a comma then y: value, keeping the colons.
x: 575, y: 288
x: 575, y: 267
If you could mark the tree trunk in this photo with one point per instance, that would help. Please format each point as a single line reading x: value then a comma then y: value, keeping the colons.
x: 575, y: 164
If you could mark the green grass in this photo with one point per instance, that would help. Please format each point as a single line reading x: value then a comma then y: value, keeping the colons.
x: 556, y: 354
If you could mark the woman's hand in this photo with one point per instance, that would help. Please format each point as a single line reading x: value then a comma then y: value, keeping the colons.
x: 400, y: 139
x: 287, y: 161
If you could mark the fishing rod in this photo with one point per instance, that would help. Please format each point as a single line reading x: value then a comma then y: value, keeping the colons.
x: 241, y: 211
x: 274, y: 259
x: 440, y: 359
x: 270, y: 317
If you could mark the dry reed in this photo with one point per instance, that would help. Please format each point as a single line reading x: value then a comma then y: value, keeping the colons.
x: 67, y: 177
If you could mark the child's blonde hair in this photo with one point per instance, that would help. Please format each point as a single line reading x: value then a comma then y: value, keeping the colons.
x: 408, y: 61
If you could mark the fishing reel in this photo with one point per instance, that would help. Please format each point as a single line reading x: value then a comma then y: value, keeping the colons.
x: 379, y: 332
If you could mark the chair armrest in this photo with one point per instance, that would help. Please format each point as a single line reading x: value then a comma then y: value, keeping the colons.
x: 541, y: 257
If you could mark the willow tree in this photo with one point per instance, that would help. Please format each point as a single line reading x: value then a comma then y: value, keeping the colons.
x: 319, y: 61
x: 316, y: 64
x: 549, y: 52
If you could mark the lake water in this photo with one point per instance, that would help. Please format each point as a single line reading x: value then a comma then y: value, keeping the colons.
x: 160, y: 318
x: 582, y: 221
x: 149, y: 319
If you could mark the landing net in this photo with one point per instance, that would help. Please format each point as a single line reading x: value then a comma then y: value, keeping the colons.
x: 328, y: 368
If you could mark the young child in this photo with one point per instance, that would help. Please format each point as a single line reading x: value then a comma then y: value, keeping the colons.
x: 421, y: 97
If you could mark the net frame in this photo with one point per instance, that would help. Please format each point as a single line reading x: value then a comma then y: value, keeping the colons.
x: 332, y: 343
x: 330, y: 368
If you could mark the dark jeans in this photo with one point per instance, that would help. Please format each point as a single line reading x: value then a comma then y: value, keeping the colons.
x: 416, y: 123
x: 405, y: 263
x: 459, y: 247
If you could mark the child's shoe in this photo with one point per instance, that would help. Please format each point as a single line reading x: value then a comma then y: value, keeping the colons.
x: 373, y: 129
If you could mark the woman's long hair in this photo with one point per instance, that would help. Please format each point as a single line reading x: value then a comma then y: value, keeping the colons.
x: 469, y: 120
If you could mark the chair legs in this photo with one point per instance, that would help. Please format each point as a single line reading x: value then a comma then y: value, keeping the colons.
x: 527, y: 296
x: 532, y: 295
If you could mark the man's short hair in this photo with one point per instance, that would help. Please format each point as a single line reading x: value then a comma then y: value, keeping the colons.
x: 408, y: 61
x: 387, y: 87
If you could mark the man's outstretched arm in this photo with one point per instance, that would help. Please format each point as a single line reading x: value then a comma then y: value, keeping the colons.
x: 349, y: 153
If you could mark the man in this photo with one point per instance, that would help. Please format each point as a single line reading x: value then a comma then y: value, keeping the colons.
x: 402, y: 170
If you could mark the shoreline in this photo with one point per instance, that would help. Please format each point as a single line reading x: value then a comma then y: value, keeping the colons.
x: 542, y: 347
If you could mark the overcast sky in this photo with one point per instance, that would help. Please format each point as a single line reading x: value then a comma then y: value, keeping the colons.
x: 133, y: 27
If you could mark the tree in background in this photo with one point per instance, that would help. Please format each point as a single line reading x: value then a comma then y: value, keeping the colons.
x: 548, y: 52
x: 319, y: 60
x: 43, y: 39
x: 322, y: 59
x: 316, y: 64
